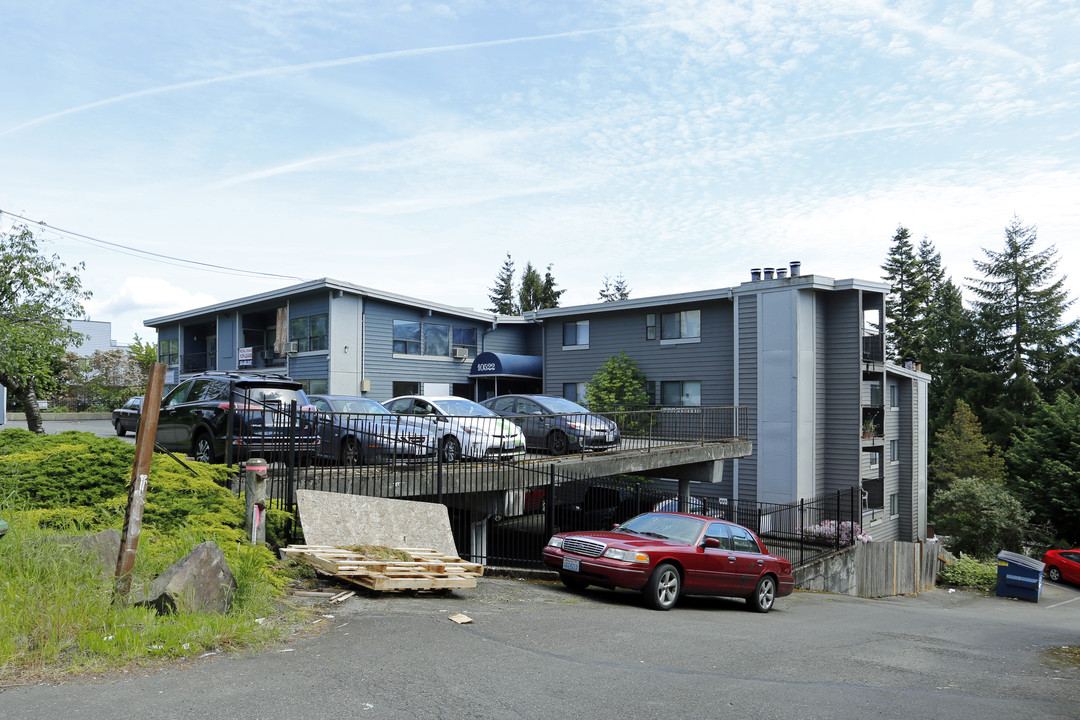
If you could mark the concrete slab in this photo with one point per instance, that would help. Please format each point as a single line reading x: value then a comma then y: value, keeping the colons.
x: 345, y: 520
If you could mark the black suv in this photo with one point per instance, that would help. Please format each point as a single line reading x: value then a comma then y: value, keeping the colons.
x: 266, y: 411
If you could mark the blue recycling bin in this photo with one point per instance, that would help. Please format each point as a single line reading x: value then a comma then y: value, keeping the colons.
x: 1019, y: 576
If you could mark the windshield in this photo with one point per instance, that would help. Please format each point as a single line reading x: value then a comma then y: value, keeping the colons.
x: 359, y: 405
x: 559, y: 405
x: 462, y: 408
x: 666, y: 527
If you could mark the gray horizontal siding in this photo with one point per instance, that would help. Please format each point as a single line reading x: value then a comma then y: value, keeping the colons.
x: 843, y: 383
x: 748, y: 391
x: 709, y: 361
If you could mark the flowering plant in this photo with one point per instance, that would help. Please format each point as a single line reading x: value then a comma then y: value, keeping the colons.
x: 828, y: 530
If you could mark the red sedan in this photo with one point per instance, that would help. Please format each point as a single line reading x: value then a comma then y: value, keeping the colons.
x: 669, y: 554
x: 1063, y: 565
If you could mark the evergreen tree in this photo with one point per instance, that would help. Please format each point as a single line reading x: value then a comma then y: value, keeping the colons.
x: 1045, y: 464
x: 549, y: 296
x: 961, y: 450
x: 616, y: 289
x: 502, y: 293
x: 530, y: 290
x: 1020, y: 308
x: 907, y: 305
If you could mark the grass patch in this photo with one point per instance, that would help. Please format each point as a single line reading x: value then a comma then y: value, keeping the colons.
x: 966, y: 571
x: 56, y: 603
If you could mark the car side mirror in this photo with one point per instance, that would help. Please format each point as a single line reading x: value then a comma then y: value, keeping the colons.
x: 711, y: 542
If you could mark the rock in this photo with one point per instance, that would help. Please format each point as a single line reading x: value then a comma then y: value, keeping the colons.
x: 200, y: 582
x: 102, y: 548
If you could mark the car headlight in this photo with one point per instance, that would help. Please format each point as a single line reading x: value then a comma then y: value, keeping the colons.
x: 626, y: 555
x: 555, y: 542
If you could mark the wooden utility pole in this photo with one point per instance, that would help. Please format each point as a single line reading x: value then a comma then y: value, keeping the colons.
x: 140, y: 474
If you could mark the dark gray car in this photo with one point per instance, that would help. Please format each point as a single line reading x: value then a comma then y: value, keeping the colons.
x: 556, y: 424
x: 357, y: 430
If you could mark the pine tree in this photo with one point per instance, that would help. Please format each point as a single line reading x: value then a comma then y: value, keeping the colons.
x: 531, y: 289
x: 906, y: 306
x: 1045, y: 464
x: 616, y: 289
x: 549, y: 296
x: 1020, y: 308
x: 502, y: 294
x: 962, y: 450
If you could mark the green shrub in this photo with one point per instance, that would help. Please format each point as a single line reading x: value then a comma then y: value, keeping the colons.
x: 969, y: 572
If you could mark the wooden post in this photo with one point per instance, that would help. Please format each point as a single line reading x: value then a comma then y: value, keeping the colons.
x: 140, y: 474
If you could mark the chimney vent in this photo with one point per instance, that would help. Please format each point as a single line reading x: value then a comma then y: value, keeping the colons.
x: 796, y: 268
x: 755, y: 274
x: 781, y: 272
x: 769, y: 273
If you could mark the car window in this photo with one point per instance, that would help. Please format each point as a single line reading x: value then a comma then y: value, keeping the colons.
x: 720, y: 532
x: 399, y: 406
x: 208, y: 390
x: 742, y: 540
x: 528, y: 407
x: 1075, y: 557
x: 321, y: 404
x: 503, y: 404
x: 177, y: 394
x: 423, y: 408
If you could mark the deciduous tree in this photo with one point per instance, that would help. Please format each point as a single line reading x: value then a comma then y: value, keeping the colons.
x: 38, y: 295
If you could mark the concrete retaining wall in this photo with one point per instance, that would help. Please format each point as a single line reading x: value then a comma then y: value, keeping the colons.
x: 67, y: 417
x: 834, y: 573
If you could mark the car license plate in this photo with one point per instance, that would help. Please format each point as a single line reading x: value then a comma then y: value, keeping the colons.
x: 571, y: 564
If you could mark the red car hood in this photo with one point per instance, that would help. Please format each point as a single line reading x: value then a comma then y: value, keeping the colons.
x: 626, y: 540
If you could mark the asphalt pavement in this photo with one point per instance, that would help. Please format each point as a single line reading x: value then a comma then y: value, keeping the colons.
x: 537, y: 650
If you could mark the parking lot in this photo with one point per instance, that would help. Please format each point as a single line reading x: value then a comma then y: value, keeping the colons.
x: 536, y: 650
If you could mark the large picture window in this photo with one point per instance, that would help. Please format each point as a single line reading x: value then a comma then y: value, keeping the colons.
x: 685, y: 325
x: 310, y: 332
x: 436, y: 339
x: 680, y: 393
x: 406, y: 337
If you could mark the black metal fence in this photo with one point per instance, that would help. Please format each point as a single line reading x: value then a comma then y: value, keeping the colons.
x: 504, y: 500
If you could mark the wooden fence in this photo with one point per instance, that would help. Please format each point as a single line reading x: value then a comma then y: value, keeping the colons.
x: 884, y: 569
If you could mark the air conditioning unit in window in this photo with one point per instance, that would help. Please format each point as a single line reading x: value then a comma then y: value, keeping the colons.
x: 290, y: 347
x: 461, y: 353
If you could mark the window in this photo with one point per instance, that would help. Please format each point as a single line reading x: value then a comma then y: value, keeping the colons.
x: 407, y: 338
x: 574, y: 392
x: 742, y: 540
x: 894, y: 504
x: 875, y: 393
x: 309, y: 333
x: 679, y: 393
x: 317, y: 386
x: 894, y: 396
x: 720, y: 533
x: 685, y: 326
x: 169, y: 352
x: 650, y: 326
x: 465, y: 337
x: 436, y: 339
x: 875, y: 458
x: 894, y: 451
x: 575, y: 334
x: 404, y: 387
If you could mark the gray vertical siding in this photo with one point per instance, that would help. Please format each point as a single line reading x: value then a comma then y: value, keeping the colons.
x: 843, y: 382
x: 748, y: 391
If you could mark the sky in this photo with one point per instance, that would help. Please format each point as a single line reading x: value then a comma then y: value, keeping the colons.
x: 409, y: 146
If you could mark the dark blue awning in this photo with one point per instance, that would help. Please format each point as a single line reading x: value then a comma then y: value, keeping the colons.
x: 489, y: 364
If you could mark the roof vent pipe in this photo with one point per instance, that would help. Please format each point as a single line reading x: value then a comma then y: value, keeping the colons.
x: 796, y: 268
x: 781, y: 272
x: 755, y: 274
x: 769, y: 273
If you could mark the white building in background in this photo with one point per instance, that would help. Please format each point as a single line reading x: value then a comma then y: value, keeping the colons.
x: 98, y: 336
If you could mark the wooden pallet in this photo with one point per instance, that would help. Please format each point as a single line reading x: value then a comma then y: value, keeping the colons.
x: 429, y: 569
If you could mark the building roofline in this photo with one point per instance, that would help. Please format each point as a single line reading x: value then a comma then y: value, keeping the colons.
x: 815, y: 282
x: 330, y: 285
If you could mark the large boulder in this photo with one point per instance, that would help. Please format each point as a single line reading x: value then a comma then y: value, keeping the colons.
x: 200, y: 582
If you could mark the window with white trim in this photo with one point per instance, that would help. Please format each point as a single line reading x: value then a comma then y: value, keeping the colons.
x: 574, y: 392
x: 894, y: 451
x: 894, y: 396
x: 406, y: 337
x: 674, y: 393
x: 310, y: 332
x: 575, y: 334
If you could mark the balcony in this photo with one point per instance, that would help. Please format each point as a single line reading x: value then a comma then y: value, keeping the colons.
x: 260, y: 357
x: 196, y: 362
